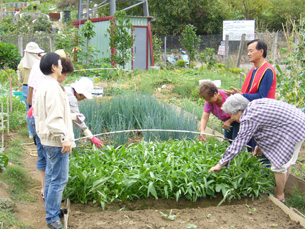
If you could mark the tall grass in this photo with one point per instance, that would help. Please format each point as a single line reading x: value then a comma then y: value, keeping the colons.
x: 136, y: 112
x: 185, y: 81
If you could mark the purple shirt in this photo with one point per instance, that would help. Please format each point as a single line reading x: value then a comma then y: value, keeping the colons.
x: 212, y: 107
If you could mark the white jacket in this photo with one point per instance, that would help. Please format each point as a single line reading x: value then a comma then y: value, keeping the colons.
x: 52, y: 114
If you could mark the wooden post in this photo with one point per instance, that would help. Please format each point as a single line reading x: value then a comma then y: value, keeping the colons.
x: 51, y: 43
x: 20, y: 44
x: 241, y: 45
x: 227, y: 51
x: 274, y: 46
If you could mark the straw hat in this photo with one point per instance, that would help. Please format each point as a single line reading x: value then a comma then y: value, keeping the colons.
x: 33, y: 47
x: 61, y: 52
x: 83, y: 86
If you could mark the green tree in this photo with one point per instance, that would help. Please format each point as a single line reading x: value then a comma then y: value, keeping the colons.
x: 9, y: 56
x: 173, y: 15
x: 189, y: 41
x: 88, y: 33
x: 120, y: 38
x: 42, y: 24
x: 250, y: 9
x: 282, y: 11
x: 71, y: 40
x: 157, y: 47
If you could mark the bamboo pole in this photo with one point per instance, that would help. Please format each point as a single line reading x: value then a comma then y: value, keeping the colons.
x: 11, y: 92
x: 2, y: 125
x: 8, y: 114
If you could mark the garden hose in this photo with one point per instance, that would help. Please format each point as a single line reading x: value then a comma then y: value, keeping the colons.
x: 156, y: 130
x: 92, y: 69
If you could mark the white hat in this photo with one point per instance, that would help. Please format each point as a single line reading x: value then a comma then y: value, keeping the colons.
x: 33, y: 47
x: 83, y: 86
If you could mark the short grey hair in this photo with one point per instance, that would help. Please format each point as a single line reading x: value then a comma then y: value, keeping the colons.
x: 235, y: 103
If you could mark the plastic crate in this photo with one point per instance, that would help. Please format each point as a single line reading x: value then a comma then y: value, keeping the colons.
x: 19, y: 94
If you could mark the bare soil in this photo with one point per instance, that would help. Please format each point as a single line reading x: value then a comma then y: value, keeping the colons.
x: 203, y: 213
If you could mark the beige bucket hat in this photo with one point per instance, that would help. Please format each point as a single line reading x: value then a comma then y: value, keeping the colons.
x: 33, y: 47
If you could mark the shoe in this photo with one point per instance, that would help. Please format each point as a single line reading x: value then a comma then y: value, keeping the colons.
x: 31, y: 137
x: 284, y: 201
x: 56, y: 225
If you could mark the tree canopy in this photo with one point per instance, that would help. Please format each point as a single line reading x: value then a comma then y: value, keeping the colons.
x: 172, y: 16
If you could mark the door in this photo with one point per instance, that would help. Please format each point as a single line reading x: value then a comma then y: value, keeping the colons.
x: 140, y: 48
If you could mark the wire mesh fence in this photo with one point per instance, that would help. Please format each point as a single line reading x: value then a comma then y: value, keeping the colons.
x: 46, y: 42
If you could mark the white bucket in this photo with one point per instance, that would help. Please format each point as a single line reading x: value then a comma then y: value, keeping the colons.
x: 98, y: 91
x: 216, y: 82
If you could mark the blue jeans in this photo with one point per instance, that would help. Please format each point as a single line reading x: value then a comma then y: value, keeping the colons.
x: 56, y: 179
x: 29, y: 121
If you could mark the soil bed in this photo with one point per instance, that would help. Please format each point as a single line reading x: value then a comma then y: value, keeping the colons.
x: 201, y: 214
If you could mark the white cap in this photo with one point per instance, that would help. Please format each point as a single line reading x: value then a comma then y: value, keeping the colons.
x: 33, y: 47
x: 83, y: 86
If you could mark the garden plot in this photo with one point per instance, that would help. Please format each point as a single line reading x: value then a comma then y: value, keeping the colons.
x: 258, y: 214
x: 138, y: 185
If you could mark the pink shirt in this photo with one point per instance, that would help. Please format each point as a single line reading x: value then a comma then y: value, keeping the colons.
x: 212, y: 107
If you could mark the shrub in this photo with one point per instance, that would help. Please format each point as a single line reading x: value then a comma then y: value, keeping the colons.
x: 9, y: 56
x: 208, y: 57
x: 181, y: 63
x: 235, y: 70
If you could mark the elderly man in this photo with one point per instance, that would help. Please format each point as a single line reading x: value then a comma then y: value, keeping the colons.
x: 278, y: 129
x: 261, y: 79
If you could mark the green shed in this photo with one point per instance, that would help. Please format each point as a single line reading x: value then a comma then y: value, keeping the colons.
x: 142, y: 49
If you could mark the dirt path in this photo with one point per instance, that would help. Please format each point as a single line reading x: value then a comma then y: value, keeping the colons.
x: 33, y: 213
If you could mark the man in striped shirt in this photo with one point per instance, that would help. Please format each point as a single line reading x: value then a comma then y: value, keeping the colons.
x: 278, y: 129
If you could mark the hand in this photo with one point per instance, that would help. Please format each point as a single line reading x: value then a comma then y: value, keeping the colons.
x: 30, y: 112
x: 226, y: 125
x: 97, y: 142
x: 80, y: 118
x: 66, y: 147
x: 216, y: 168
x: 257, y: 152
x: 235, y: 91
x: 227, y: 92
x: 203, y: 137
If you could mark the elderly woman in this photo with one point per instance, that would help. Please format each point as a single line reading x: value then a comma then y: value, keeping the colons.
x: 214, y: 99
x: 278, y: 129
